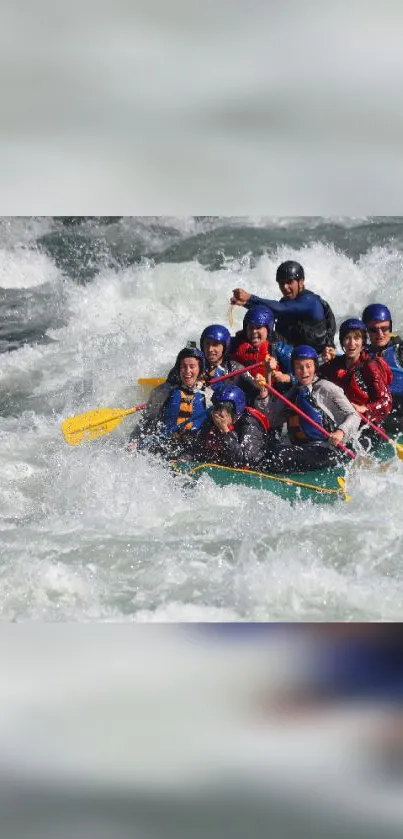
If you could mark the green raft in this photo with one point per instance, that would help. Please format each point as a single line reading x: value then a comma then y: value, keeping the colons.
x: 325, y: 486
x: 322, y: 486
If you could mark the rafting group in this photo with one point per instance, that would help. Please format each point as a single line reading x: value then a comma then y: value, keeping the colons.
x: 228, y: 401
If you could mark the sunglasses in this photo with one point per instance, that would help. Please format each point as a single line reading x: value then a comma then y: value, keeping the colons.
x: 375, y: 329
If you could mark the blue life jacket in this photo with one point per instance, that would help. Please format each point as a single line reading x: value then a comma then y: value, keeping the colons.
x: 299, y: 429
x: 281, y: 351
x: 216, y: 374
x: 183, y: 405
x: 391, y: 358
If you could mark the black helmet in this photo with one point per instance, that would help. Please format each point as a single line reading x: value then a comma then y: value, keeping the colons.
x: 289, y: 271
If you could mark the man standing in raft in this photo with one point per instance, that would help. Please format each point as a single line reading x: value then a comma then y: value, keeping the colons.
x: 302, y: 316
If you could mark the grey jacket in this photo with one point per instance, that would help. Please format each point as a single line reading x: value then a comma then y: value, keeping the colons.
x: 329, y: 397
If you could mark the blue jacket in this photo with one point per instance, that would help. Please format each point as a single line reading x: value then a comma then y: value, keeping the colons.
x: 306, y: 320
x: 393, y: 355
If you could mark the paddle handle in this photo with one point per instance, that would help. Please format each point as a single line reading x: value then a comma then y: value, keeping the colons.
x: 305, y: 416
x: 234, y: 373
x: 377, y: 428
x: 137, y: 408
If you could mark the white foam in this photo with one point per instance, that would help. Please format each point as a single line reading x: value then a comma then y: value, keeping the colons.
x: 228, y: 552
x: 26, y: 268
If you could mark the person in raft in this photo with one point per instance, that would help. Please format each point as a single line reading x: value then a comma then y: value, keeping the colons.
x: 302, y: 316
x: 322, y: 401
x: 233, y: 434
x: 174, y: 412
x: 215, y: 342
x: 254, y: 342
x: 364, y: 380
x: 383, y: 344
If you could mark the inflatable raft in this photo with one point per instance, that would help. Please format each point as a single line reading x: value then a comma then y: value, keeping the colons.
x: 319, y: 487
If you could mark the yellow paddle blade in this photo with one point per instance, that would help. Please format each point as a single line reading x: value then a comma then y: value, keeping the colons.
x: 399, y: 451
x: 94, y: 424
x: 151, y: 382
x: 342, y: 484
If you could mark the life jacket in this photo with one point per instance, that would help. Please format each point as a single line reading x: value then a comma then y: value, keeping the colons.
x: 299, y: 429
x: 389, y: 354
x: 181, y: 405
x: 352, y: 380
x: 215, y: 373
x: 246, y: 355
x: 353, y: 383
x: 317, y: 334
x: 259, y: 415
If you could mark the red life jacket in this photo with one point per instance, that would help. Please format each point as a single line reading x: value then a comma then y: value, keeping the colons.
x: 259, y: 415
x: 353, y: 383
x: 246, y: 355
x: 367, y: 383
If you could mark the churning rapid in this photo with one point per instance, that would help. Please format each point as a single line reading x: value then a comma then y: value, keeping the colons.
x: 95, y: 533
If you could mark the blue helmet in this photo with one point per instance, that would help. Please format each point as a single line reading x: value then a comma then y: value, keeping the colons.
x: 350, y: 324
x: 304, y: 351
x: 191, y: 352
x: 259, y: 316
x: 230, y: 393
x: 376, y: 312
x: 216, y: 332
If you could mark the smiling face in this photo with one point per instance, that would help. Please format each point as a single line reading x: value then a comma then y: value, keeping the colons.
x: 213, y: 351
x: 189, y: 370
x: 305, y: 370
x: 256, y: 335
x: 353, y: 344
x: 379, y: 333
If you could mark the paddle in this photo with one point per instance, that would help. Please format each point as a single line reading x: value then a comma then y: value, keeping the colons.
x: 305, y: 416
x: 154, y: 382
x: 151, y: 382
x: 96, y: 423
x: 398, y: 447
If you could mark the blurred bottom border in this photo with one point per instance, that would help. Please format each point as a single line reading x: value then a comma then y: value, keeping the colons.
x: 261, y: 730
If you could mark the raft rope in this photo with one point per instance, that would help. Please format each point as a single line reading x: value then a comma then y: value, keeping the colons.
x: 291, y: 481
